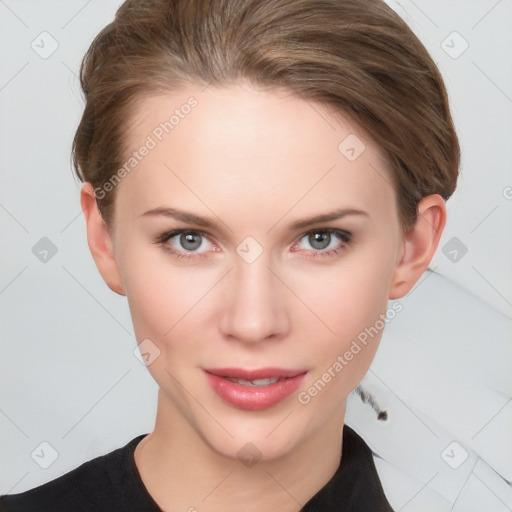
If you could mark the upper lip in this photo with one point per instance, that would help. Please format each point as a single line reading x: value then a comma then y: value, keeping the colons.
x: 258, y: 373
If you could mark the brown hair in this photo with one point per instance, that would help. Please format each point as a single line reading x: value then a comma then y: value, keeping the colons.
x: 356, y: 56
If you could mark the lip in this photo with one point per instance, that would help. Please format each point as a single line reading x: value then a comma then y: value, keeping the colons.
x: 254, y: 398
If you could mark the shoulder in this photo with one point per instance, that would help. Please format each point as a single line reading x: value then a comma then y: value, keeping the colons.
x: 355, y: 487
x: 359, y: 472
x: 91, y: 486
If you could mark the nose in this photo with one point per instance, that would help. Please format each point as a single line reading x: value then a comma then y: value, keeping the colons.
x: 255, y: 303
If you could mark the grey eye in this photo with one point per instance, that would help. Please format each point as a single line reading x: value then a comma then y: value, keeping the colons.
x: 190, y: 241
x: 319, y: 240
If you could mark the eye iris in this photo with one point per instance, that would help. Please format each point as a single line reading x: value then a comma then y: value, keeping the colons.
x: 323, y: 239
x: 188, y: 238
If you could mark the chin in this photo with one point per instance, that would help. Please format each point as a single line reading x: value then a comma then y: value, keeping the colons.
x: 253, y: 447
x: 263, y: 435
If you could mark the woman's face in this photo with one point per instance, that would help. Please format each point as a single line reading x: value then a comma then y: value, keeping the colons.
x: 247, y: 288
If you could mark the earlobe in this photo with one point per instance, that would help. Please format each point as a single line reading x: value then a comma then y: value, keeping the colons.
x: 100, y: 241
x: 419, y: 245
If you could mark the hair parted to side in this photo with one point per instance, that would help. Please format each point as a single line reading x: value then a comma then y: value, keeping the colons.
x: 356, y: 56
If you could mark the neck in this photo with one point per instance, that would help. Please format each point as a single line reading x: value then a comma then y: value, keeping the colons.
x: 182, y: 471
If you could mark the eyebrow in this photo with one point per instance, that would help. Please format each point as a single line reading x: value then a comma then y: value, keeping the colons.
x: 180, y: 215
x: 207, y: 223
x: 326, y: 217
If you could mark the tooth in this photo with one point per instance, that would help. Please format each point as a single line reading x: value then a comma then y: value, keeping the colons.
x: 264, y: 382
x: 256, y: 382
x: 244, y: 382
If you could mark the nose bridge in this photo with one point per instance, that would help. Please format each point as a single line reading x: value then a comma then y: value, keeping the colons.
x: 255, y: 309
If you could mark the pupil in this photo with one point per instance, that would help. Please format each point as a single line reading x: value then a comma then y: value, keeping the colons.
x: 319, y: 240
x: 188, y: 238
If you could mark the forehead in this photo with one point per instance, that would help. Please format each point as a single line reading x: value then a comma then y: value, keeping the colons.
x: 263, y: 149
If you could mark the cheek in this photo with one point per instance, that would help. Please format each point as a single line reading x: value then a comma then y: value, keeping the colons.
x: 351, y: 300
x: 160, y: 294
x: 349, y: 297
x: 165, y: 306
x: 163, y: 300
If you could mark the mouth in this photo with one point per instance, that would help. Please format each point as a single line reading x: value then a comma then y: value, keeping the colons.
x: 257, y: 377
x: 256, y: 382
x: 254, y: 389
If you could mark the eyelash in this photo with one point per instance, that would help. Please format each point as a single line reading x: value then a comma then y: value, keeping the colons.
x: 344, y: 236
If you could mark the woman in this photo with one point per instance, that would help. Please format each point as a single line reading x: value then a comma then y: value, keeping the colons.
x: 260, y: 178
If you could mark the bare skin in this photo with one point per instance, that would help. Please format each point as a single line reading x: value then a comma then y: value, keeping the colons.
x: 254, y: 162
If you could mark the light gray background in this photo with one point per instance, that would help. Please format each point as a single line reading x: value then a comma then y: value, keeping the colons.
x: 68, y: 373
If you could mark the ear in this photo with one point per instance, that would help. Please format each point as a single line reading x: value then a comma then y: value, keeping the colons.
x: 419, y: 245
x: 99, y: 240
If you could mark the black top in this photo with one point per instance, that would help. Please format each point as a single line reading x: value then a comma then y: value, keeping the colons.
x: 112, y: 482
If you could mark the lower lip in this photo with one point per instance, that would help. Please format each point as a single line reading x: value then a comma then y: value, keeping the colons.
x: 254, y: 398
